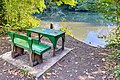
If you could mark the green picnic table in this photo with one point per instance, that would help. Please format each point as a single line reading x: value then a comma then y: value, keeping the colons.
x: 52, y: 34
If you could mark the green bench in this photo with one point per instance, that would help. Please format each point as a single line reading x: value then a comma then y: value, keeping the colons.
x: 20, y: 42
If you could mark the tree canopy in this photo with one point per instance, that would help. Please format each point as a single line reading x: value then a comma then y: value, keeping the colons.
x: 17, y: 13
x: 111, y: 11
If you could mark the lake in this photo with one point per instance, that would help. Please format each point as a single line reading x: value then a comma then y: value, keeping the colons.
x: 84, y: 26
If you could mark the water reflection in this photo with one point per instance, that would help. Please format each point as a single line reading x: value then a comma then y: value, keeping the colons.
x: 85, y: 32
x: 87, y: 17
x: 84, y: 26
x: 92, y: 39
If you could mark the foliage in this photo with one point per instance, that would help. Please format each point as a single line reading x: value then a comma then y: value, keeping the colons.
x: 111, y: 11
x: 1, y: 11
x: 23, y: 71
x: 79, y: 5
x: 67, y: 31
x: 114, y: 39
x: 50, y: 6
x: 82, y: 5
x: 86, y: 5
x: 116, y: 68
x: 117, y: 74
x: 17, y: 13
x: 69, y: 2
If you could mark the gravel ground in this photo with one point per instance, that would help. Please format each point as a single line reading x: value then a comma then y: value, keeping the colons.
x: 84, y: 62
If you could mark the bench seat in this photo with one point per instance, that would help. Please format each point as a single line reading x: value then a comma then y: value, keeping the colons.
x: 37, y: 48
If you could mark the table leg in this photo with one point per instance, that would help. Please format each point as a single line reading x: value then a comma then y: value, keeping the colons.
x: 63, y: 40
x: 28, y: 34
x: 53, y: 51
x: 40, y: 36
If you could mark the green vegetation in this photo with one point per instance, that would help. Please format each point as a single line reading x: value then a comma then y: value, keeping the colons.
x: 16, y: 14
x: 1, y: 11
x: 82, y: 5
x: 23, y: 71
x: 111, y: 11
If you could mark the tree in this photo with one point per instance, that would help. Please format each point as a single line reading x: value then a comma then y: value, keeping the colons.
x: 111, y: 11
x: 1, y: 11
x: 69, y: 2
x: 18, y: 13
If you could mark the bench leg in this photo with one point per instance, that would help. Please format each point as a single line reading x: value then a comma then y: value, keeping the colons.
x: 31, y: 59
x: 20, y: 51
x: 53, y: 51
x: 35, y: 59
x: 38, y: 58
x: 14, y: 51
x: 63, y: 40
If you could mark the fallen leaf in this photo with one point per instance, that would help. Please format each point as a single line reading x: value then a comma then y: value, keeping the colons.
x: 48, y: 74
x: 71, y: 75
x: 60, y: 68
x: 76, y: 62
x: 91, y: 77
x: 82, y: 77
x: 103, y: 59
x: 5, y: 63
x: 53, y: 73
x: 59, y: 65
x: 99, y: 70
x: 44, y: 78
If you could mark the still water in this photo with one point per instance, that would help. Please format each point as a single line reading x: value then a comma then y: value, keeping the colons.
x: 84, y: 26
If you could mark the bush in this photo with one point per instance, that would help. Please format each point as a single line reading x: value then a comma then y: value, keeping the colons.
x: 17, y: 14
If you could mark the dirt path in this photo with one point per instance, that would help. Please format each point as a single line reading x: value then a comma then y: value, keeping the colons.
x: 84, y: 62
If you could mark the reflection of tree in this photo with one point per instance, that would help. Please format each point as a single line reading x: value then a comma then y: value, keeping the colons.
x: 57, y: 14
x: 88, y: 17
x: 83, y: 31
x: 80, y: 30
x: 93, y: 40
